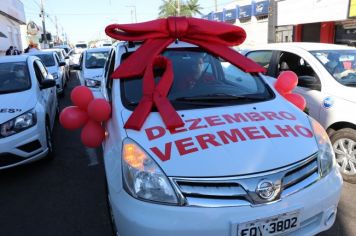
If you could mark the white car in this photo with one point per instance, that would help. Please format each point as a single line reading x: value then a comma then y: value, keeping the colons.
x: 327, y: 80
x: 28, y: 107
x: 63, y: 57
x: 91, y: 68
x: 246, y: 162
x: 54, y: 66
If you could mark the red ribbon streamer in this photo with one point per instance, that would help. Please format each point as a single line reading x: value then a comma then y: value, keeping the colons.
x: 156, y: 96
x: 215, y: 37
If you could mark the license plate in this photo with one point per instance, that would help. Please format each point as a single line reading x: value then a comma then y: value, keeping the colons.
x: 274, y: 225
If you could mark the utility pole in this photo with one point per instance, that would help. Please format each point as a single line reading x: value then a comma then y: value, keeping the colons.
x: 178, y: 8
x: 133, y: 11
x: 216, y: 5
x: 57, y: 33
x: 44, y: 23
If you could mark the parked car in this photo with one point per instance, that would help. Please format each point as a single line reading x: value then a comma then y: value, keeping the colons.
x: 63, y: 57
x: 65, y: 47
x: 327, y: 80
x: 246, y: 162
x: 91, y: 68
x: 27, y: 111
x: 54, y: 66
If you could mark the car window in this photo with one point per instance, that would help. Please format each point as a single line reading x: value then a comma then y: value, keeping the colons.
x: 341, y: 64
x: 300, y: 66
x: 201, y: 78
x: 95, y: 60
x: 14, y: 77
x: 261, y: 57
x: 109, y: 81
x: 47, y: 59
x: 43, y: 69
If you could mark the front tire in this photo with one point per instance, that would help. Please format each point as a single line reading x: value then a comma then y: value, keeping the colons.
x: 344, y: 145
x: 49, y: 142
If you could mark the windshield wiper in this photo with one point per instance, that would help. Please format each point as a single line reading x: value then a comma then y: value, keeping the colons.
x: 221, y: 97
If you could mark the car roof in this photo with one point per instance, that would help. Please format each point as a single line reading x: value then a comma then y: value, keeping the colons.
x: 101, y: 49
x: 303, y: 46
x: 19, y: 58
x: 41, y: 52
x: 54, y: 49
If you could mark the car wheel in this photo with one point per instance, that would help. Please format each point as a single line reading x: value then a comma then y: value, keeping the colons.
x: 344, y: 145
x: 112, y: 219
x: 49, y: 142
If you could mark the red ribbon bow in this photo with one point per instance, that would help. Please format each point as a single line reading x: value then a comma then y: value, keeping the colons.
x: 157, y: 96
x: 215, y: 37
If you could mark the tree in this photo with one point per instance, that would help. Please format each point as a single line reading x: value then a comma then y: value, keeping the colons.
x: 186, y: 8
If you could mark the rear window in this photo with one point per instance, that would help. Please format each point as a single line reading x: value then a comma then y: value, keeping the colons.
x: 81, y: 45
x: 200, y: 80
x: 14, y: 77
x: 47, y: 59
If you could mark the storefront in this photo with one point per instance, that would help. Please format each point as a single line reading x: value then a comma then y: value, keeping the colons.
x: 12, y: 15
x: 325, y: 21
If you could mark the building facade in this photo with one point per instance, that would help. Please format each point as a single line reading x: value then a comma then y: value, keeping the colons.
x: 326, y: 21
x: 252, y: 16
x: 12, y: 16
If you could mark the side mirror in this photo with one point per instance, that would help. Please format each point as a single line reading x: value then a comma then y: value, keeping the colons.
x: 47, y: 83
x: 310, y: 82
x: 66, y: 57
x: 62, y: 63
x: 76, y: 67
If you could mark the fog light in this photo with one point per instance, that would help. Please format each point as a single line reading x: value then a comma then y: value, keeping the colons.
x: 330, y: 216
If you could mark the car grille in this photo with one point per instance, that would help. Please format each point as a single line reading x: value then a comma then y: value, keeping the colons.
x: 241, y: 190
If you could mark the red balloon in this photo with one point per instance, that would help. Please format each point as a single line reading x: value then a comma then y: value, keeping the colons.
x: 297, y: 100
x: 92, y: 134
x: 81, y: 96
x: 73, y: 118
x: 99, y: 110
x: 286, y: 82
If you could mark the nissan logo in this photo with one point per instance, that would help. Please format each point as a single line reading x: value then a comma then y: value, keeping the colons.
x: 267, y: 190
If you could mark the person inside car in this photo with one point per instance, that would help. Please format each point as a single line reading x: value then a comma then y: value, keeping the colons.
x: 195, y: 73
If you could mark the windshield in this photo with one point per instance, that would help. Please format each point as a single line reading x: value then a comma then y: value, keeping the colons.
x: 95, y: 59
x: 201, y: 79
x: 47, y: 59
x: 341, y: 64
x: 14, y: 77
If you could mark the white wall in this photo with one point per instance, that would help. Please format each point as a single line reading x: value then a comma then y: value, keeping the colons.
x: 257, y: 33
x: 12, y: 30
x: 293, y: 12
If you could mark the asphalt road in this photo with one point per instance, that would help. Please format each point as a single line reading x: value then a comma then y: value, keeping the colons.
x: 66, y: 195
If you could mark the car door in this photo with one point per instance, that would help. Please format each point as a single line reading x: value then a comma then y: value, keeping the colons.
x: 48, y: 97
x: 60, y: 70
x: 265, y: 58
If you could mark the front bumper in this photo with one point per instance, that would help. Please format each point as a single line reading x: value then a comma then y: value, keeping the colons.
x: 316, y: 203
x: 24, y: 147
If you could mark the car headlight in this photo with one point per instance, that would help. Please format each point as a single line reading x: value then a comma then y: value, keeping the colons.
x: 18, y: 124
x: 92, y: 83
x: 326, y: 154
x: 143, y: 179
x: 55, y: 76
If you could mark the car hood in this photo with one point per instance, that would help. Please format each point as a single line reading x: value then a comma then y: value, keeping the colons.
x: 93, y: 73
x: 228, y: 141
x: 14, y: 104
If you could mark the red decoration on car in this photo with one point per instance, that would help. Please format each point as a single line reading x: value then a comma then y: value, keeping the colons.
x: 215, y: 37
x: 89, y: 113
x: 156, y: 95
x: 285, y: 84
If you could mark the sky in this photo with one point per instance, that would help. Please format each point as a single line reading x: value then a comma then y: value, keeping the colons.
x: 85, y: 20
